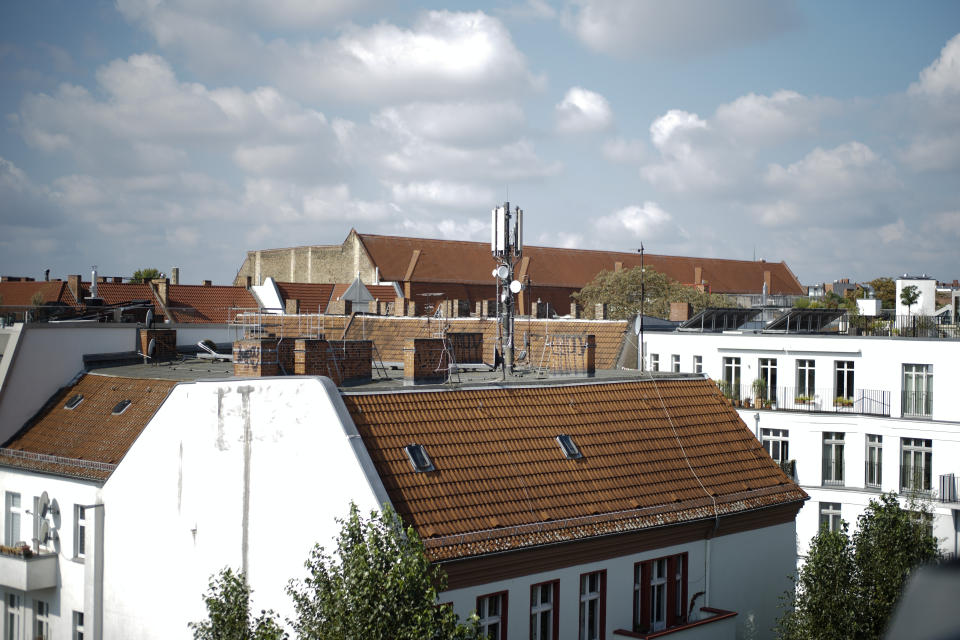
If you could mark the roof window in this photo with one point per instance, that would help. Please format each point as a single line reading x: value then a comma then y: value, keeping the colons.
x: 74, y: 400
x: 121, y: 407
x: 418, y: 458
x: 568, y: 446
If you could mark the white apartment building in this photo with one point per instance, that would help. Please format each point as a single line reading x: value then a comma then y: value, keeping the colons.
x: 849, y: 416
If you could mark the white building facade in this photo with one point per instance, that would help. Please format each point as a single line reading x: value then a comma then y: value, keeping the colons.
x: 849, y: 416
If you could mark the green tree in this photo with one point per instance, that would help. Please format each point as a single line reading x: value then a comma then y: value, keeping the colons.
x: 909, y: 296
x: 145, y: 275
x: 885, y: 290
x: 228, y: 612
x: 36, y: 299
x: 378, y: 584
x: 848, y: 586
x: 621, y: 292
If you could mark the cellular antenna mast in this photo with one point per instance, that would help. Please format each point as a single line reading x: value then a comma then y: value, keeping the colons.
x: 507, y: 248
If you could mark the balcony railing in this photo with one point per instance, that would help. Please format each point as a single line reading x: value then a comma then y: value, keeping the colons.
x: 872, y: 474
x: 789, y: 467
x: 872, y: 402
x: 915, y: 480
x: 833, y: 470
x: 903, y: 326
x: 28, y: 573
x: 948, y: 488
x: 916, y: 404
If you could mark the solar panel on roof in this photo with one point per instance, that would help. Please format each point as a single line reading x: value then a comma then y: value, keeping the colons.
x: 806, y: 320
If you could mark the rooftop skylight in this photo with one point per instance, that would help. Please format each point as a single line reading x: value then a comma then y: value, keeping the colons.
x: 570, y: 449
x: 74, y: 400
x: 418, y: 458
x: 121, y: 407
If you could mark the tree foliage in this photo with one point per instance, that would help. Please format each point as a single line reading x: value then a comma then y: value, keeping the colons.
x: 885, y: 289
x: 621, y: 292
x: 228, y: 612
x: 849, y: 585
x: 378, y: 584
x: 145, y: 275
x: 909, y: 296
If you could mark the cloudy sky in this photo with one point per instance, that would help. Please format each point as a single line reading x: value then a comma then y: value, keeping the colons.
x: 185, y: 132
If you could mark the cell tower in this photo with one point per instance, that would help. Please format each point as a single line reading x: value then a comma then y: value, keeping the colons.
x: 507, y: 249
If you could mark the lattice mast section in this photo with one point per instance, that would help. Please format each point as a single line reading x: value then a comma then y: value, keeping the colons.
x: 506, y: 245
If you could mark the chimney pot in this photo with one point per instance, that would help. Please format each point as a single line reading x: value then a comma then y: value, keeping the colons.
x: 208, y: 283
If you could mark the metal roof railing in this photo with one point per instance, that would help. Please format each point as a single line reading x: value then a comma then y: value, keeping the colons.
x: 43, y: 457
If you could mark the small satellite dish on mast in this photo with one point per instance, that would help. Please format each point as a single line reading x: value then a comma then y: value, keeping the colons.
x: 152, y: 347
x: 43, y: 506
x: 502, y: 272
x: 149, y: 319
x: 44, y: 533
x: 516, y: 286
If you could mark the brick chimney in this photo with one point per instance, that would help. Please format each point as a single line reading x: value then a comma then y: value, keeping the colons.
x: 73, y: 282
x: 680, y: 311
x: 208, y: 283
x: 766, y: 281
x: 698, y: 276
x: 162, y: 286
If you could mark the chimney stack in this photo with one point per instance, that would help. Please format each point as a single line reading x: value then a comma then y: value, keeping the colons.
x: 73, y: 283
x: 208, y: 283
x: 175, y: 275
x: 46, y: 275
x: 163, y: 290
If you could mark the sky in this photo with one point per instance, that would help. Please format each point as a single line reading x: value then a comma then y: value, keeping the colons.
x: 184, y: 133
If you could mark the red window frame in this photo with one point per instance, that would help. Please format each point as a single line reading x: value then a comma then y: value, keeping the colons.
x: 555, y: 602
x: 603, y: 602
x: 643, y: 622
x: 503, y: 611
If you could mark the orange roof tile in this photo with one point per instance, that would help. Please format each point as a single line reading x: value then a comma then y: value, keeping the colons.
x: 382, y: 292
x: 445, y: 261
x: 88, y: 440
x: 502, y: 482
x: 198, y: 303
x: 20, y: 294
x: 313, y: 298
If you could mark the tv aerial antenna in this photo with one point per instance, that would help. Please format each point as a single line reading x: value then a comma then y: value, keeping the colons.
x: 507, y: 249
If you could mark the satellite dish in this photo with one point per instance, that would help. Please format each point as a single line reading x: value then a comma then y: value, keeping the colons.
x: 152, y: 347
x: 515, y: 286
x: 149, y: 320
x: 44, y: 534
x: 44, y: 506
x: 501, y: 272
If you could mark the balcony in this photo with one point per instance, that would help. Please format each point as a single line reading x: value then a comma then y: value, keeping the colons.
x: 38, y: 571
x: 916, y: 404
x: 903, y: 326
x: 713, y: 623
x: 870, y: 402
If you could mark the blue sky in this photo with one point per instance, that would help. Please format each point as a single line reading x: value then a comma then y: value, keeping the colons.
x: 185, y: 132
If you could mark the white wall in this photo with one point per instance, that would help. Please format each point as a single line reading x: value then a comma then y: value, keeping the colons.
x: 748, y: 573
x: 177, y: 501
x: 926, y: 304
x: 64, y: 494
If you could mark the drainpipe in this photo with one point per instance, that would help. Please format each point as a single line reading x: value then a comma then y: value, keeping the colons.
x: 756, y: 422
x: 93, y: 572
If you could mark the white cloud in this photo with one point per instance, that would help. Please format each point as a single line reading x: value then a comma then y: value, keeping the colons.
x: 443, y: 194
x: 692, y: 158
x: 531, y: 10
x: 669, y: 130
x: 930, y: 152
x: 583, y: 111
x: 25, y: 204
x: 562, y: 239
x: 679, y: 27
x: 448, y: 228
x: 942, y: 78
x: 460, y: 122
x: 824, y: 174
x: 640, y: 221
x: 624, y: 151
x: 764, y: 120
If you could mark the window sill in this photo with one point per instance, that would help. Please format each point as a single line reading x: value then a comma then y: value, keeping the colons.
x: 717, y: 615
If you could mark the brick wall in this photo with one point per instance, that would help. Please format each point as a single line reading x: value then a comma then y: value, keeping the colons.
x: 350, y: 360
x: 573, y: 355
x: 424, y: 361
x: 165, y: 345
x: 285, y: 348
x: 467, y: 347
x: 255, y: 358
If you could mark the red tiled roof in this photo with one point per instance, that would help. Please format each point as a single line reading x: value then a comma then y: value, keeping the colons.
x: 471, y: 263
x: 20, y: 294
x: 382, y: 292
x: 313, y: 297
x: 502, y: 482
x: 197, y: 303
x: 89, y: 433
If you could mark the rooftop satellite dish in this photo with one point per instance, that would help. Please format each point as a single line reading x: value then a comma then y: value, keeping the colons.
x: 149, y: 320
x: 44, y: 533
x: 515, y: 286
x: 44, y: 505
x: 502, y: 272
x: 152, y: 347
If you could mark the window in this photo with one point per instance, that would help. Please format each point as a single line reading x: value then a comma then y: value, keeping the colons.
x: 492, y: 611
x: 874, y: 461
x: 768, y: 373
x: 916, y: 455
x: 917, y: 390
x: 698, y: 364
x: 654, y: 362
x: 806, y: 378
x: 675, y: 363
x: 12, y: 631
x: 731, y: 376
x: 660, y: 593
x: 593, y: 604
x: 844, y: 379
x: 41, y: 620
x: 777, y: 443
x: 830, y: 516
x: 77, y: 625
x: 74, y: 400
x: 833, y: 458
x: 569, y: 447
x: 418, y: 458
x: 544, y: 614
x: 79, y: 531
x: 121, y: 407
x: 11, y: 520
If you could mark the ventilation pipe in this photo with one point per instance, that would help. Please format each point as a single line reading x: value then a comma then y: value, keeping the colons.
x: 93, y: 282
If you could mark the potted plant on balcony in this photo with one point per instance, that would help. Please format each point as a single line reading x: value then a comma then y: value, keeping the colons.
x: 22, y: 550
x: 759, y: 386
x: 724, y: 388
x: 803, y: 399
x: 841, y: 401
